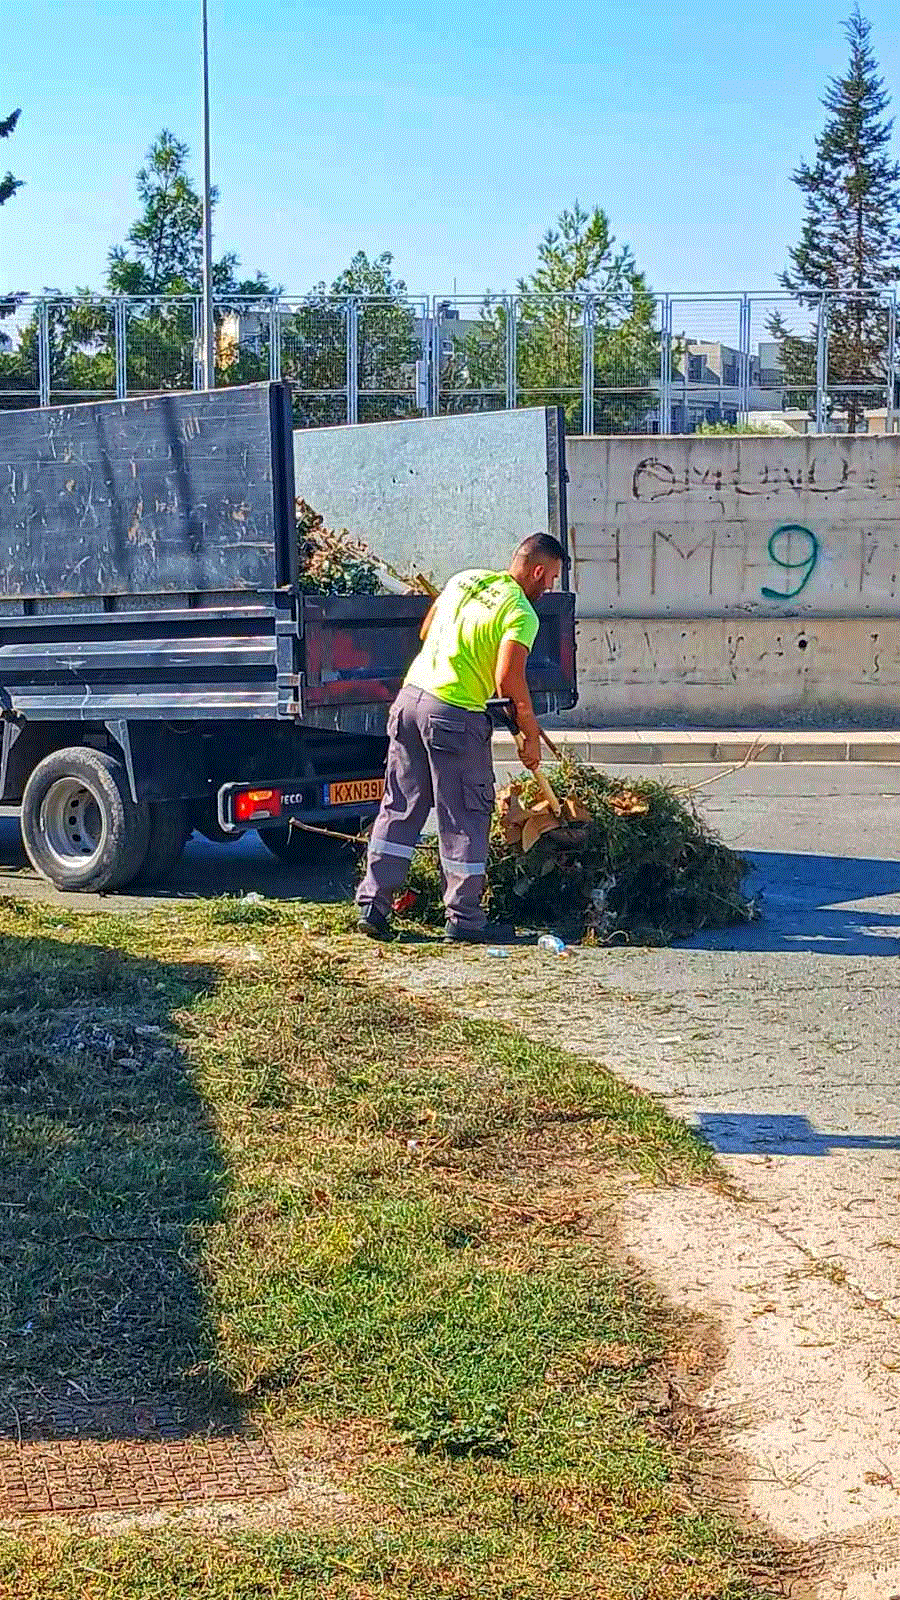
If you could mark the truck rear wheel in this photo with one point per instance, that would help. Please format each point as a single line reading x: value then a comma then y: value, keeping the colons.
x: 170, y: 830
x: 206, y: 821
x: 297, y: 848
x: 80, y: 826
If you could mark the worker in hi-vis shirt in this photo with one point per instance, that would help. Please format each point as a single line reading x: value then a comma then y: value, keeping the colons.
x: 476, y: 641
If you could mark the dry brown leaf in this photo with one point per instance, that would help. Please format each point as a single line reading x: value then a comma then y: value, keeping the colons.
x: 507, y: 796
x: 512, y: 832
x: 535, y: 828
x: 574, y: 811
x: 627, y: 804
x: 512, y: 813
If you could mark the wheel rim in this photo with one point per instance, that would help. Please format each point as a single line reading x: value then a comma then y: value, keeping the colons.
x: 72, y: 822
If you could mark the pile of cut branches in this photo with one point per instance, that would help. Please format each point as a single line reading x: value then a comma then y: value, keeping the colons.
x: 624, y: 862
x: 332, y: 562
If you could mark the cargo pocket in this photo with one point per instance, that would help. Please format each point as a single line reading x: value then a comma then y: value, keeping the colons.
x: 478, y: 796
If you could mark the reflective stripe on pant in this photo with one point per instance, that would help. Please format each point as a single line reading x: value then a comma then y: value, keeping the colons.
x: 439, y: 756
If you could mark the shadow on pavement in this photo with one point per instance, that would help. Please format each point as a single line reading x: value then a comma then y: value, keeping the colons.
x: 811, y: 903
x: 205, y: 870
x: 748, y: 1133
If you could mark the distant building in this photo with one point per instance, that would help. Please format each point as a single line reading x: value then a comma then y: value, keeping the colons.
x: 707, y: 382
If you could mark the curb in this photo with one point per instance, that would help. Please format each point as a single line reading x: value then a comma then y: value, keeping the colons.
x: 677, y: 747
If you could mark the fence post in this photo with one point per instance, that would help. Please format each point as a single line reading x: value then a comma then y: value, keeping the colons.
x: 745, y: 362
x: 120, y: 324
x: 43, y: 354
x: 196, y: 324
x: 822, y: 365
x: 425, y: 363
x: 274, y: 341
x: 351, y: 323
x: 664, y: 420
x: 434, y: 359
x: 587, y: 367
x: 512, y: 390
x: 891, y: 365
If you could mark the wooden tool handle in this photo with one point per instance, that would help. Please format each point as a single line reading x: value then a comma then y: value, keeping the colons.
x: 542, y: 782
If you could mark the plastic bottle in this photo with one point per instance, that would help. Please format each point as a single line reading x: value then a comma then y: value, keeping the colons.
x: 552, y: 943
x: 498, y: 952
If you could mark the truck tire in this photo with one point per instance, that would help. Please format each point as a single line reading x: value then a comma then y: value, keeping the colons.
x: 206, y: 821
x: 298, y: 849
x: 80, y: 826
x: 169, y: 833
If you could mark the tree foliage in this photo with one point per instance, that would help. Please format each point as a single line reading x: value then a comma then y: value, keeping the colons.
x: 161, y: 264
x: 314, y: 342
x: 579, y: 266
x: 8, y: 184
x: 850, y: 239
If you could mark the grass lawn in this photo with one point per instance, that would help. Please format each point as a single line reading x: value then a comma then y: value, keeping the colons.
x: 237, y: 1173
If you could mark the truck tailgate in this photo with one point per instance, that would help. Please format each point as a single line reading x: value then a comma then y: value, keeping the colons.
x: 356, y: 649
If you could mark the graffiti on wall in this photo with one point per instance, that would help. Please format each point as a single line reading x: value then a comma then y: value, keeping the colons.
x: 781, y: 552
x: 654, y: 479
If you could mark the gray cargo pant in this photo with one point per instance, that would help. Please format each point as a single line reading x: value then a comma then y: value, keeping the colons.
x: 439, y: 756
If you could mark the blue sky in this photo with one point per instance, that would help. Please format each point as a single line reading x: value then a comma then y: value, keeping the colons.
x: 450, y: 135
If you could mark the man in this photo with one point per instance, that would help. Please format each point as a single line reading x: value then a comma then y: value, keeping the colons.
x: 475, y: 645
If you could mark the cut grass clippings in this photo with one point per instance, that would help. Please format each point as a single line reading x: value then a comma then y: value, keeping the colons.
x: 238, y: 1174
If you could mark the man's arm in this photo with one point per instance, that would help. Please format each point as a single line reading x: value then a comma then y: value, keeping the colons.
x: 423, y: 631
x: 512, y: 659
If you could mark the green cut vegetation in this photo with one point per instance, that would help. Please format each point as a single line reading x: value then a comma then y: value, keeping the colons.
x: 634, y: 863
x: 238, y: 1173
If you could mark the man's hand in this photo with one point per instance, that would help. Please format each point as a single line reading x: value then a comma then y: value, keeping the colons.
x: 529, y: 750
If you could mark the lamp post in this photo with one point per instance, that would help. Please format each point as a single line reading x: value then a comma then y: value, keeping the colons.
x: 208, y: 360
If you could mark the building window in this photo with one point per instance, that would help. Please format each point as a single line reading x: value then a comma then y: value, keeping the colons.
x: 695, y: 369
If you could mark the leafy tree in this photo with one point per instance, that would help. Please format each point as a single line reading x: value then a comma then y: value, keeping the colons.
x: 314, y: 345
x: 8, y: 302
x: 8, y: 184
x: 578, y: 264
x: 162, y: 261
x: 850, y: 239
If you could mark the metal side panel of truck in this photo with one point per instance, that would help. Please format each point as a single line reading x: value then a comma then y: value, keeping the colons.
x: 151, y: 623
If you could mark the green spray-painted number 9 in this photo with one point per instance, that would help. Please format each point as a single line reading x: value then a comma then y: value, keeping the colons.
x: 806, y: 564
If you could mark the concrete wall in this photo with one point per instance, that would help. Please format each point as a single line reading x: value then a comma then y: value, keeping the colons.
x: 733, y: 582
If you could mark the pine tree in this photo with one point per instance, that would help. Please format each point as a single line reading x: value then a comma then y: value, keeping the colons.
x: 578, y: 259
x: 8, y: 184
x: 850, y: 240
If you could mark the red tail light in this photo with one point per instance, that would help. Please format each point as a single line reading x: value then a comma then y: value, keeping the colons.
x: 256, y: 804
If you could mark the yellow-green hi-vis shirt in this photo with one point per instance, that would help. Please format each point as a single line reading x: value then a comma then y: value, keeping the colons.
x: 473, y: 615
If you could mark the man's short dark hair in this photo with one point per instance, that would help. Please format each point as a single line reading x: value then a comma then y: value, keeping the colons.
x: 541, y: 547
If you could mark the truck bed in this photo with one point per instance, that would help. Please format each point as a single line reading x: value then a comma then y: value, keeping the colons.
x: 148, y: 572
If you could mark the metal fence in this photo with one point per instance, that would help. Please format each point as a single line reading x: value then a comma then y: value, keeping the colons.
x: 618, y: 364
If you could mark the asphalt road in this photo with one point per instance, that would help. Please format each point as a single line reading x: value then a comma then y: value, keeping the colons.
x: 824, y: 840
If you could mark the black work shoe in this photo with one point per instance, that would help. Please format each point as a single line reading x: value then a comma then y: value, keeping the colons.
x: 374, y: 925
x: 491, y: 933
